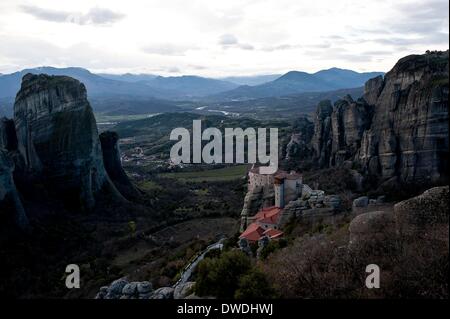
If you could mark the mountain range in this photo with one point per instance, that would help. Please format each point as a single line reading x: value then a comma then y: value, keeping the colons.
x: 295, y: 82
x: 157, y: 91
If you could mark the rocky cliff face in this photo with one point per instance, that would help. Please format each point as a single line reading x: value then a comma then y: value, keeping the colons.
x: 11, y: 207
x: 322, y: 138
x: 57, y: 136
x: 111, y: 158
x: 53, y: 142
x: 299, y: 145
x: 398, y: 131
x: 8, y: 138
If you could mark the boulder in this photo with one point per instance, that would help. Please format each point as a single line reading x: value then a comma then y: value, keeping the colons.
x: 333, y: 201
x: 117, y: 286
x: 381, y: 199
x: 371, y: 228
x: 430, y: 209
x: 183, y: 290
x: 144, y: 287
x: 163, y: 293
x: 362, y: 201
x: 130, y: 289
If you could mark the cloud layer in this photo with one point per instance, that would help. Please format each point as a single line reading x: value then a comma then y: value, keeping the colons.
x: 95, y: 16
x: 218, y: 38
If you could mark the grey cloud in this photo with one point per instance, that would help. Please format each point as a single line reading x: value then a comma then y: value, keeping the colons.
x: 197, y: 67
x: 25, y: 51
x: 173, y: 70
x: 246, y: 46
x: 95, y: 16
x: 166, y: 49
x: 230, y: 41
x: 428, y: 10
x: 417, y: 23
x: 429, y: 39
x: 378, y: 52
x: 339, y: 54
x: 280, y: 47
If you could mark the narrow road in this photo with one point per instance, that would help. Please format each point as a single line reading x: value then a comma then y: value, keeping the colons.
x: 189, y: 269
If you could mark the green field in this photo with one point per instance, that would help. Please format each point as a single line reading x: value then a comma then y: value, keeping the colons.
x: 220, y: 174
x: 121, y: 118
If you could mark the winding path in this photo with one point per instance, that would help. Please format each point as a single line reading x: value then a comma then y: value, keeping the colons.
x: 189, y: 269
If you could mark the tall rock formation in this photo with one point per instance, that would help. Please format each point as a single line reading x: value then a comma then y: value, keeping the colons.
x: 111, y: 158
x: 299, y: 145
x: 398, y: 131
x: 322, y: 138
x: 58, y: 139
x: 349, y: 120
x: 408, y: 138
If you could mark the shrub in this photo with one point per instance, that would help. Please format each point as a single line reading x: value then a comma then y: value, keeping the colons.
x: 254, y: 285
x: 219, y: 277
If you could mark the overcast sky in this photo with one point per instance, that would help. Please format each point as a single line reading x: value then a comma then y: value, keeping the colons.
x: 218, y: 37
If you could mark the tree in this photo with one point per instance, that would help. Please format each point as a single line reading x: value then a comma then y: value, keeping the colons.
x: 254, y: 285
x: 219, y: 277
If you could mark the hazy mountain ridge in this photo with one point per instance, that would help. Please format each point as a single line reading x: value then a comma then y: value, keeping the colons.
x: 296, y: 82
x: 148, y: 93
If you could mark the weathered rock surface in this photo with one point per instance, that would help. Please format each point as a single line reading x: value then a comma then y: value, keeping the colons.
x: 429, y: 209
x: 362, y: 201
x: 8, y: 138
x: 372, y: 227
x: 398, y: 131
x: 183, y: 290
x: 254, y: 200
x: 322, y: 138
x: 10, y: 202
x: 163, y: 293
x: 421, y: 218
x: 113, y: 165
x: 299, y: 145
x: 123, y: 289
x: 408, y: 136
x: 57, y: 137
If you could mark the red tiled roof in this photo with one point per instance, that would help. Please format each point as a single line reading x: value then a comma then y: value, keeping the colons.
x: 253, y: 232
x: 273, y: 233
x: 268, y: 215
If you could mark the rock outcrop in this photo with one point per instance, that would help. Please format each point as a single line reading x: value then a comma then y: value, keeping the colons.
x: 375, y: 227
x: 124, y: 289
x: 58, y: 139
x: 322, y: 138
x: 113, y: 165
x: 53, y: 142
x: 420, y: 213
x: 398, y: 131
x: 408, y: 137
x: 9, y: 197
x: 299, y: 145
x: 254, y: 200
x: 421, y: 218
x: 8, y: 138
